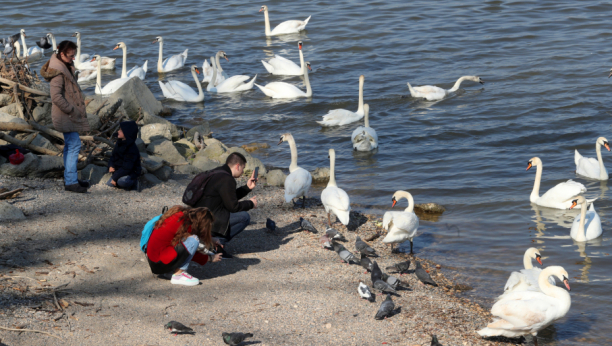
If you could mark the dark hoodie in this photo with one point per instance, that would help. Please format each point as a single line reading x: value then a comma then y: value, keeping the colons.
x: 126, y: 157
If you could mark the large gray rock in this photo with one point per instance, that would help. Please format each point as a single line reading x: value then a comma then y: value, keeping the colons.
x: 185, y: 147
x: 163, y: 173
x: 166, y: 150
x: 12, y: 109
x: 42, y: 114
x: 152, y: 132
x: 276, y: 177
x: 204, y: 164
x: 8, y: 118
x: 320, y: 175
x: 152, y: 179
x: 34, y: 167
x: 135, y: 95
x: 203, y: 129
x: 94, y: 174
x: 151, y: 162
x: 186, y: 169
x: 5, y: 99
x: 3, y: 160
x: 10, y: 212
x: 141, y: 145
x: 107, y: 109
x: 252, y: 162
x: 40, y: 141
x: 154, y: 119
x: 29, y: 165
x: 94, y: 122
x: 214, y: 149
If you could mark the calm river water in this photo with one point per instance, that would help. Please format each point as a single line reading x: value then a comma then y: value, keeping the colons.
x: 545, y: 65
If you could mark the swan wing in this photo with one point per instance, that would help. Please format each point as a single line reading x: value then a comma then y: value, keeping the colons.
x: 514, y: 279
x: 114, y: 85
x: 283, y: 66
x: 430, y: 92
x: 290, y: 27
x: 297, y: 184
x: 402, y: 226
x: 281, y: 90
x: 175, y: 62
x: 593, y: 230
x: 180, y: 91
x: 587, y: 166
x: 337, y: 200
x: 523, y: 310
x: 207, y: 71
x: 86, y: 75
x: 337, y: 117
x: 138, y: 71
x: 232, y: 83
x: 562, y: 193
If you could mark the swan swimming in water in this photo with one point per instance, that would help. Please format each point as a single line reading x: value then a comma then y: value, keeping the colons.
x: 342, y: 116
x: 589, y: 219
x: 179, y: 91
x: 364, y: 138
x: 590, y: 167
x: 434, y: 93
x: 287, y: 27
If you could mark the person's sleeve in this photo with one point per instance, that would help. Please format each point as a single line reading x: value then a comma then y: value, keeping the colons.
x: 200, y: 258
x: 58, y: 98
x: 242, y: 191
x: 229, y: 195
x: 129, y: 162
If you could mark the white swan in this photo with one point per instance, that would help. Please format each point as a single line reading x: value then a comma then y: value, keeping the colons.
x: 207, y: 71
x: 334, y: 199
x: 81, y: 61
x: 288, y: 27
x: 86, y: 75
x: 526, y: 279
x: 282, y: 90
x: 560, y: 196
x: 364, y: 138
x: 402, y: 225
x: 172, y: 63
x: 32, y: 53
x: 285, y: 67
x: 135, y: 71
x: 589, y: 219
x: 180, y: 91
x: 343, y: 116
x: 588, y: 166
x: 230, y: 85
x: 221, y: 75
x: 299, y: 180
x: 528, y: 312
x: 111, y: 86
x: 432, y: 92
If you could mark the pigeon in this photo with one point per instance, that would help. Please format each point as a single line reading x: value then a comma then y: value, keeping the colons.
x: 434, y: 341
x: 44, y: 43
x: 383, y: 286
x: 234, y: 339
x: 376, y: 272
x: 401, y: 267
x: 364, y: 248
x: 307, y: 226
x: 386, y: 308
x: 270, y: 225
x: 391, y: 280
x: 364, y: 292
x: 366, y: 263
x: 8, y: 48
x: 344, y: 254
x: 325, y: 242
x: 423, y: 275
x: 179, y: 328
x: 333, y: 234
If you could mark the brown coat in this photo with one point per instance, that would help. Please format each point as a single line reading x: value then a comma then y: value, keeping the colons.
x: 68, y: 104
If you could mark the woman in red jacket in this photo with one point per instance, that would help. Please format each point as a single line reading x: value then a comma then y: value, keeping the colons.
x: 174, y: 243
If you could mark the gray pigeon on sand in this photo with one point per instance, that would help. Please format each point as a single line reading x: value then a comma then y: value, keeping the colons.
x: 401, y: 267
x: 234, y: 339
x: 178, y: 328
x: 334, y: 234
x: 383, y: 286
x: 386, y: 308
x: 391, y: 280
x: 423, y: 275
x: 376, y: 272
x: 434, y: 341
x: 364, y: 248
x: 305, y: 225
x: 366, y: 263
x: 364, y: 292
x: 344, y: 254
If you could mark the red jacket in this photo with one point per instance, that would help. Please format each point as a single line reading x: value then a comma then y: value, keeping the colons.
x: 160, y: 246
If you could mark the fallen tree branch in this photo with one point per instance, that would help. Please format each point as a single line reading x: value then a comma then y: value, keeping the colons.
x: 98, y: 139
x: 9, y: 194
x: 23, y: 87
x: 30, y: 330
x: 31, y: 147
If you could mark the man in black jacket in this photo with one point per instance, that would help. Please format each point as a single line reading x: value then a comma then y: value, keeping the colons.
x: 222, y: 197
x: 125, y: 160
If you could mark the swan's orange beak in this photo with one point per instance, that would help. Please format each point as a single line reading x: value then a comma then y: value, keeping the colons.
x: 154, y: 41
x: 309, y: 68
x: 93, y: 59
x: 539, y: 259
x: 226, y: 58
x: 116, y: 47
x: 574, y: 204
x: 566, y: 282
x: 394, y: 202
x: 528, y: 166
x: 607, y: 146
x: 300, y: 46
x: 197, y: 70
x: 261, y: 9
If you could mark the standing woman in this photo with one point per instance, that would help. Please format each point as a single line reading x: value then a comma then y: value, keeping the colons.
x: 68, y: 110
x: 174, y: 243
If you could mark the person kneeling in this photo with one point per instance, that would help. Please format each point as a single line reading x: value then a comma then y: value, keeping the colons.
x: 125, y: 161
x: 174, y: 243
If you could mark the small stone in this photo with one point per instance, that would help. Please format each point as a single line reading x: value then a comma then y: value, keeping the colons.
x: 328, y: 326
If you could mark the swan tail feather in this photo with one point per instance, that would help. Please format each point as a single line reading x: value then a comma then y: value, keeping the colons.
x: 306, y: 21
x: 145, y: 66
x: 577, y: 157
x: 268, y: 67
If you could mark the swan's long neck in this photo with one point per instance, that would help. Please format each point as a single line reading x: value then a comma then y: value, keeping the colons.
x: 200, y: 91
x: 553, y: 291
x: 307, y: 81
x: 332, y: 169
x: 527, y: 261
x: 360, y: 108
x: 53, y: 42
x: 77, y: 59
x: 581, y: 231
x: 99, y: 77
x: 213, y: 80
x: 302, y: 64
x: 17, y: 49
x: 366, y: 120
x: 160, y: 68
x: 25, y: 48
x: 294, y: 157
x: 407, y: 196
x: 602, y: 168
x: 218, y: 63
x: 267, y: 23
x: 535, y: 193
x: 124, y: 68
x: 457, y: 84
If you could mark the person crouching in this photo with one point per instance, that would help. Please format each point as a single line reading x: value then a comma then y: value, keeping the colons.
x: 173, y: 244
x: 125, y: 160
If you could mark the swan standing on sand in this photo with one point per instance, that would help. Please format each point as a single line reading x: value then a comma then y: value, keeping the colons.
x: 560, y: 196
x: 180, y: 91
x: 433, y: 93
x: 81, y: 61
x: 285, y: 67
x: 135, y: 71
x: 588, y: 219
x: 288, y: 27
x: 33, y: 53
x: 172, y: 63
x: 402, y: 225
x: 299, y: 180
x: 343, y: 116
x: 528, y: 312
x: 526, y: 279
x: 111, y: 86
x: 334, y: 199
x: 588, y: 166
x: 364, y: 138
x: 282, y: 90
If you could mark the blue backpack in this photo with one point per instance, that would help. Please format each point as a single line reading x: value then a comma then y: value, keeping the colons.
x: 148, y: 229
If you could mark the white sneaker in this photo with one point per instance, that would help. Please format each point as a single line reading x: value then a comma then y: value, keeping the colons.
x: 184, y: 279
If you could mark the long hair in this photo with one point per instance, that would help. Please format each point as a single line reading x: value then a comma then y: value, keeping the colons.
x: 65, y: 46
x: 197, y: 220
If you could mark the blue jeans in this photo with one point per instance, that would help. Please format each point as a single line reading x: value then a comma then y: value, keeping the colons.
x: 125, y: 182
x: 238, y: 222
x: 191, y: 244
x: 72, y: 147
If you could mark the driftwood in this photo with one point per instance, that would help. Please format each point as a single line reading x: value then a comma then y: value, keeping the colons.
x: 10, y: 194
x: 27, y: 145
x: 59, y: 135
x: 30, y: 330
x: 23, y: 87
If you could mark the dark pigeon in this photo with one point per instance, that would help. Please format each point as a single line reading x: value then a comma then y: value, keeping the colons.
x: 434, y: 341
x: 376, y: 272
x: 44, y: 43
x: 235, y: 339
x: 307, y: 226
x: 401, y: 267
x: 364, y: 292
x: 333, y: 234
x: 179, y: 328
x: 391, y: 280
x: 270, y: 225
x: 364, y: 248
x: 366, y: 263
x: 423, y: 275
x: 344, y: 254
x: 383, y: 286
x: 386, y: 308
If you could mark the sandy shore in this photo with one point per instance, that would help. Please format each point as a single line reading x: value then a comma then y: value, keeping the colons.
x: 282, y: 287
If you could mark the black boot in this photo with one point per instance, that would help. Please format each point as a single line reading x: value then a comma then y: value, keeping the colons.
x: 75, y: 188
x: 84, y: 183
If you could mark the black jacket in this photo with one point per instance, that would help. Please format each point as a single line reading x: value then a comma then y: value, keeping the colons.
x: 221, y: 197
x: 126, y: 157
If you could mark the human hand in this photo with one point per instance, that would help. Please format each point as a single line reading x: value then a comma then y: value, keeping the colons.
x: 114, y: 183
x: 111, y: 169
x: 252, y: 182
x: 215, y: 258
x: 216, y: 242
x: 254, y: 200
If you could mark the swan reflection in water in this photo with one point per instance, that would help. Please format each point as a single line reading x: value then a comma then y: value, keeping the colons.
x: 560, y: 217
